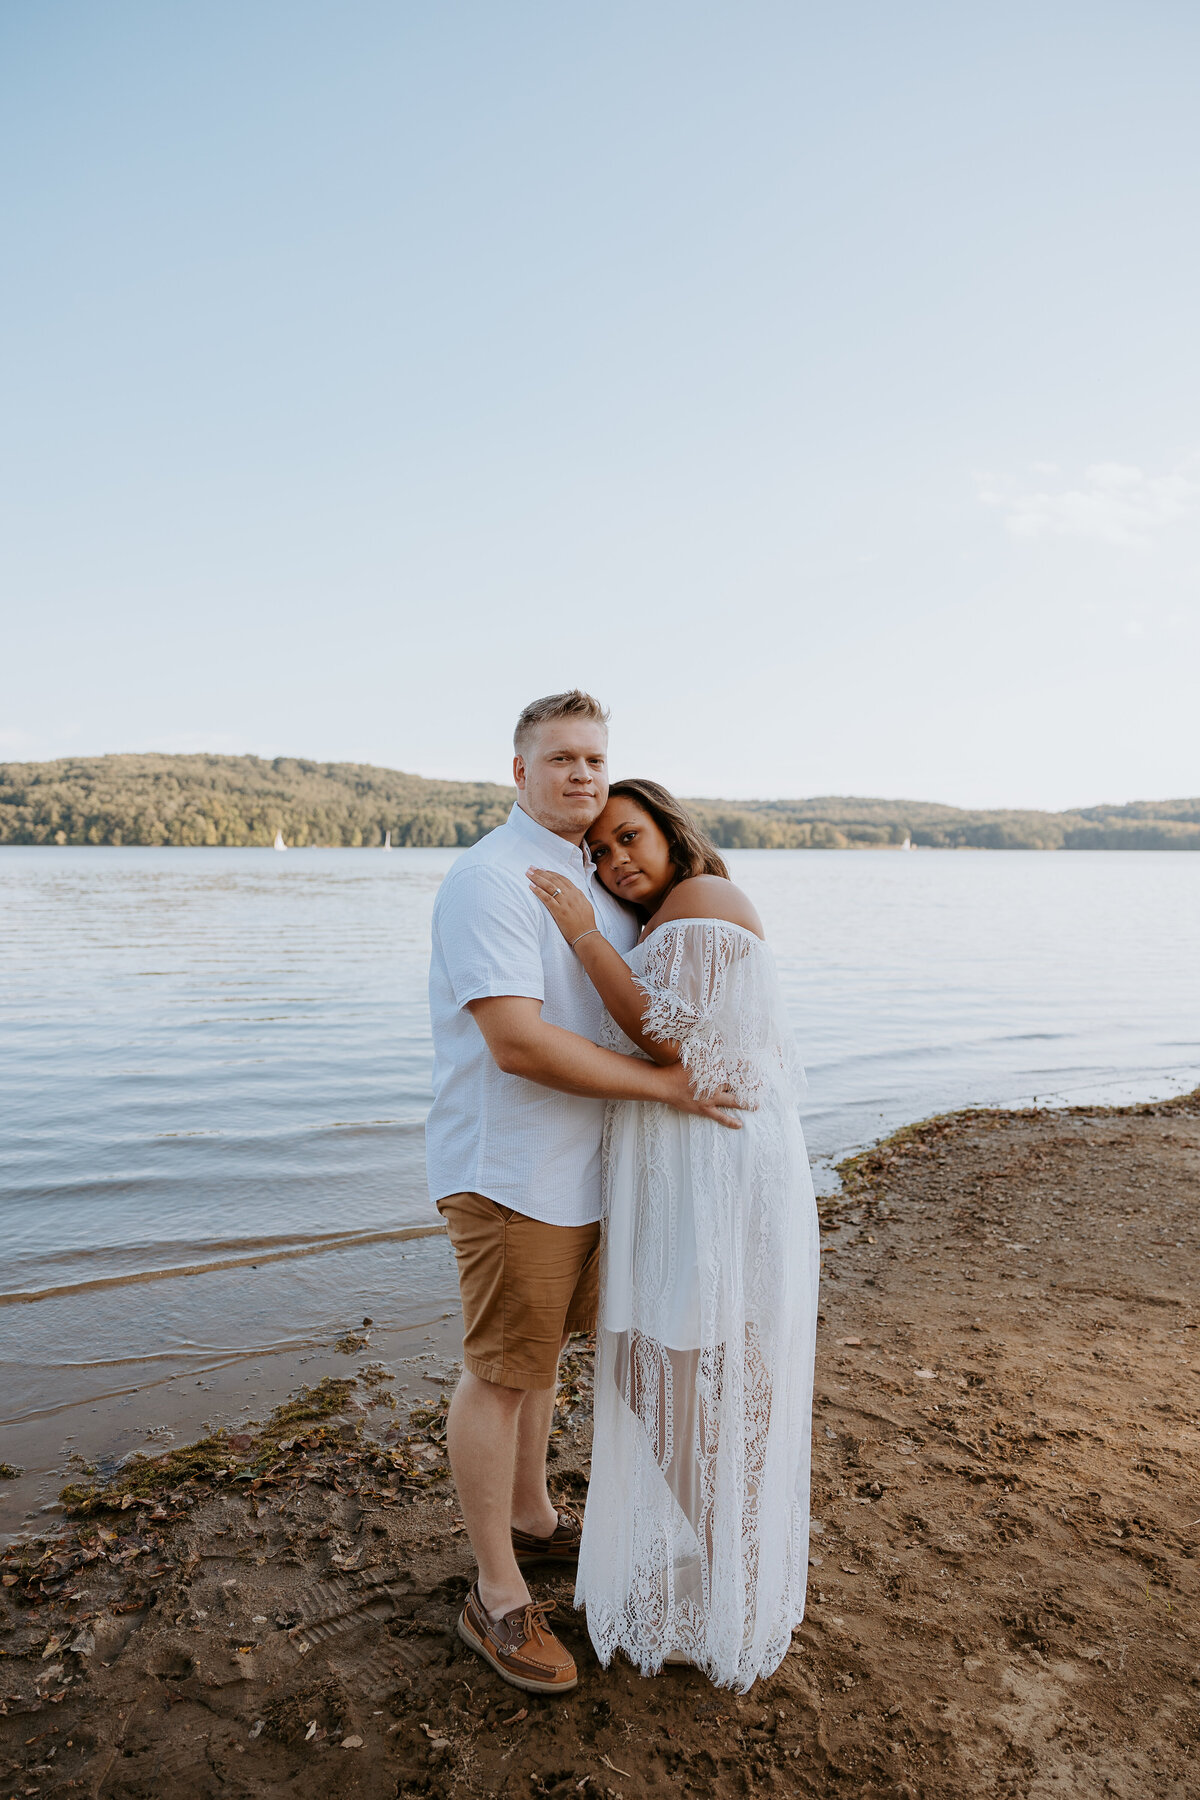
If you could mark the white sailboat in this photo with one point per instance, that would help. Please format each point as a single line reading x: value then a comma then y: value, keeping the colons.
x: 279, y: 843
x: 907, y: 844
x: 387, y: 840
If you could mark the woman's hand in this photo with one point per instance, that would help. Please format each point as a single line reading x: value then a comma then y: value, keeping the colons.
x: 570, y: 910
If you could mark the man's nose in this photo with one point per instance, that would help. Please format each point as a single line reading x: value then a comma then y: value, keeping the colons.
x: 581, y: 772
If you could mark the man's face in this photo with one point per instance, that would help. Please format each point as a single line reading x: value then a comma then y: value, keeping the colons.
x: 562, y: 775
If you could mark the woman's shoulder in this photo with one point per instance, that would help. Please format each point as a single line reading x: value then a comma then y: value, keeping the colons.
x: 709, y: 897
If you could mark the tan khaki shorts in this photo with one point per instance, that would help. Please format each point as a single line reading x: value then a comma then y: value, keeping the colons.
x: 523, y: 1283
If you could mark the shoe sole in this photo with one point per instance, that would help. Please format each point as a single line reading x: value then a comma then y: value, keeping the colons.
x: 518, y: 1681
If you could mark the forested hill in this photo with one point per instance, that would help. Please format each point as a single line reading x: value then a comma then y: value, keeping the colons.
x: 236, y: 800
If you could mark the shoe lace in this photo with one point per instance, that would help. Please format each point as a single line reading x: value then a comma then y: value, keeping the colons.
x: 538, y: 1612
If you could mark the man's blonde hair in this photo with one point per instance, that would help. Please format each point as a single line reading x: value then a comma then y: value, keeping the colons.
x: 574, y: 704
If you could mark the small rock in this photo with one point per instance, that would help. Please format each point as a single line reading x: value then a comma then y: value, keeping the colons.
x: 352, y: 1743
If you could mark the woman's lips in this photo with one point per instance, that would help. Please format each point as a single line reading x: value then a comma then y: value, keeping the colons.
x: 624, y: 880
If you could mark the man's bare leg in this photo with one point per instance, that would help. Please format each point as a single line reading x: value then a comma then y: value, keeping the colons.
x: 532, y: 1509
x: 481, y: 1437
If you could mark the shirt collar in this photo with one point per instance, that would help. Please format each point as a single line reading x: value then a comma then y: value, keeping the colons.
x: 548, y: 843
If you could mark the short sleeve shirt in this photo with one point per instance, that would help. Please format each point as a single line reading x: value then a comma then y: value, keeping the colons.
x: 520, y: 1144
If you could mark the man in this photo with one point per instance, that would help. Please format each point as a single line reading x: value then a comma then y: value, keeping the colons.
x: 513, y: 1149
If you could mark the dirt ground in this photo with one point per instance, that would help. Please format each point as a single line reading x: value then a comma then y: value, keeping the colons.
x: 1003, y: 1581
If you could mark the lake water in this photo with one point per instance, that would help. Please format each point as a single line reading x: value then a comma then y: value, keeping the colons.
x: 215, y: 1059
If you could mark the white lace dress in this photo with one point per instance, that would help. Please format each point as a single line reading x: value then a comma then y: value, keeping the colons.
x: 695, y: 1536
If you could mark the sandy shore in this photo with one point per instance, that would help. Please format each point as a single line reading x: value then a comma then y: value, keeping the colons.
x: 1004, y: 1566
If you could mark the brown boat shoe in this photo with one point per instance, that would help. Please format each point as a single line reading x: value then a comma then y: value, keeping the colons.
x: 520, y: 1647
x: 561, y: 1546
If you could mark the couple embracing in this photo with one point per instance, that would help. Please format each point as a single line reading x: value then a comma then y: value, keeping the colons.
x: 615, y: 1147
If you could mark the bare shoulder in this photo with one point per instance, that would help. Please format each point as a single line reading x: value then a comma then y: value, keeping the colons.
x: 709, y: 897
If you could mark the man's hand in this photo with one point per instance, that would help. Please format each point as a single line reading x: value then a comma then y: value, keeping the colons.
x: 721, y: 1107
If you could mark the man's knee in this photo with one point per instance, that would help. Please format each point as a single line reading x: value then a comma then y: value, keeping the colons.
x: 478, y: 1390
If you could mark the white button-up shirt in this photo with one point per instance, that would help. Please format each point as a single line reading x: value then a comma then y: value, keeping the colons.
x: 520, y: 1144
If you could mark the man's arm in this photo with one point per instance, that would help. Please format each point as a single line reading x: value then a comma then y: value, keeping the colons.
x: 522, y: 1043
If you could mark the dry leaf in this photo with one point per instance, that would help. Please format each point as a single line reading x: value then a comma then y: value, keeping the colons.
x: 311, y: 1732
x: 516, y: 1717
x: 352, y: 1743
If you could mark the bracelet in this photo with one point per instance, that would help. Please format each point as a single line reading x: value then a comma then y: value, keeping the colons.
x: 582, y: 935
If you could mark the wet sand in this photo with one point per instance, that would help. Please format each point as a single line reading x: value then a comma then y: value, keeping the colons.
x: 100, y: 1412
x: 1003, y: 1575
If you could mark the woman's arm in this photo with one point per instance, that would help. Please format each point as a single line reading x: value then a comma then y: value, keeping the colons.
x: 604, y: 965
x: 613, y: 980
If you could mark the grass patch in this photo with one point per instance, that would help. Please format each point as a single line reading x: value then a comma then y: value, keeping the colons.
x: 155, y: 1478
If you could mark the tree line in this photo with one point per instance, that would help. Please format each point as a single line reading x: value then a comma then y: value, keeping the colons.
x: 244, y: 800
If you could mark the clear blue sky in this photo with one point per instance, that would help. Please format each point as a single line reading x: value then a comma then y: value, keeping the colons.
x: 819, y: 384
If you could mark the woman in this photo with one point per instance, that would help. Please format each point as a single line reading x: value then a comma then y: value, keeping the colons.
x: 695, y: 1540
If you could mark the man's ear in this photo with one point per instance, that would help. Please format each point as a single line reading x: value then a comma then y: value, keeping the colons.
x: 519, y: 771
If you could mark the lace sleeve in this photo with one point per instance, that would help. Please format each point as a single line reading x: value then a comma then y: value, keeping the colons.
x: 698, y: 984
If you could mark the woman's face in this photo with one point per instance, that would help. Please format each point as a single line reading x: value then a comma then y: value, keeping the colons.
x: 631, y: 853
